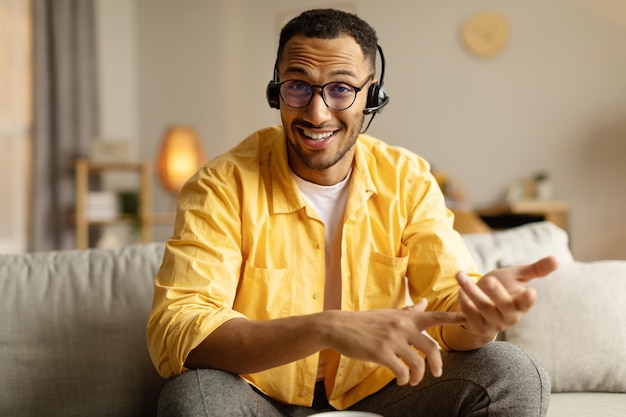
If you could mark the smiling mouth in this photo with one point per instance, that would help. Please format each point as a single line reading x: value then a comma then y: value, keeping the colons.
x: 317, y: 136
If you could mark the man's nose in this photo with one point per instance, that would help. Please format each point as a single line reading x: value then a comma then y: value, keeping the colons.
x: 317, y: 112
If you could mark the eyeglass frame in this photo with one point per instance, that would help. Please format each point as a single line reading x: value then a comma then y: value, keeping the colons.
x: 323, y: 94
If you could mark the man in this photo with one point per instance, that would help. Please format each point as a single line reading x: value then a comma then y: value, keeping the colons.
x: 283, y: 289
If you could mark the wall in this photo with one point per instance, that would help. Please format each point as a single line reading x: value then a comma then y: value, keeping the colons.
x: 554, y: 101
x: 117, y: 55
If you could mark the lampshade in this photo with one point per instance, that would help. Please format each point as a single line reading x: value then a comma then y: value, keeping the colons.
x: 179, y: 158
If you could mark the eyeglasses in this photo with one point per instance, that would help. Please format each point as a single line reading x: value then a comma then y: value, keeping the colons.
x: 336, y: 95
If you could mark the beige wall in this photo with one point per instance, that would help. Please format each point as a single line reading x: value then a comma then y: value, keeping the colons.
x: 554, y: 101
x: 117, y: 53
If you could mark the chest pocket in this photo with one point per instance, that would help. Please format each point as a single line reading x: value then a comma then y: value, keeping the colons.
x: 386, y: 287
x: 264, y: 293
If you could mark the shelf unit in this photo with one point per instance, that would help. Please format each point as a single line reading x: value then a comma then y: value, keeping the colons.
x: 524, y: 211
x: 84, y: 169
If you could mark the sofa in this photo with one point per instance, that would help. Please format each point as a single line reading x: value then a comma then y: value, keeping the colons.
x: 72, y: 333
x: 577, y: 327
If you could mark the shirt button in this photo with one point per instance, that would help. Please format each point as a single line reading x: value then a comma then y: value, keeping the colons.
x: 318, y: 246
x: 304, y: 394
x: 316, y: 296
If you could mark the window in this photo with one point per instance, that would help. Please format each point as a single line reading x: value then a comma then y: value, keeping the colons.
x: 15, y: 121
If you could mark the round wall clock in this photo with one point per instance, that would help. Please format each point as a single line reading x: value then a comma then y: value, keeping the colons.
x: 485, y: 34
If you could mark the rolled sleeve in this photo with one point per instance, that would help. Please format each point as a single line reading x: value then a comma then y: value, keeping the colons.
x: 195, y: 287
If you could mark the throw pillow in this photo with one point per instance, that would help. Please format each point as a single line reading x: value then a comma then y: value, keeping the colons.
x: 577, y: 328
x: 519, y: 245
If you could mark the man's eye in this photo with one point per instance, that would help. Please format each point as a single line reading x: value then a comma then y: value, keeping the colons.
x: 340, y: 88
x: 299, y: 86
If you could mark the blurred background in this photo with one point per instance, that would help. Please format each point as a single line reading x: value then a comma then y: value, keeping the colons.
x: 551, y: 102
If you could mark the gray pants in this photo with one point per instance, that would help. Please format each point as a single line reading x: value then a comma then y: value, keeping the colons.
x: 499, y: 379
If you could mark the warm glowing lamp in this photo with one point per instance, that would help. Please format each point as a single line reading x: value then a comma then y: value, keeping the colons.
x: 179, y: 158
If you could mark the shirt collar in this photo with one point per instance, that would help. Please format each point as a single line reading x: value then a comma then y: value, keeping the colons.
x: 363, y: 160
x: 286, y: 197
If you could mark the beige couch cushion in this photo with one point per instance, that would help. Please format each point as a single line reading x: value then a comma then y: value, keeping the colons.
x: 577, y: 328
x: 581, y: 404
x: 72, y: 333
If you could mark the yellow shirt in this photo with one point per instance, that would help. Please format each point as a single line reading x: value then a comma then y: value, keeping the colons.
x: 247, y: 245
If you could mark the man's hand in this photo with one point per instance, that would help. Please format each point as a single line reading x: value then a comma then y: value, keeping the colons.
x: 387, y: 337
x: 384, y: 336
x: 500, y: 298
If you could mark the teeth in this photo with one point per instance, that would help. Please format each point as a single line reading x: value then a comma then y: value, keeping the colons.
x: 317, y: 136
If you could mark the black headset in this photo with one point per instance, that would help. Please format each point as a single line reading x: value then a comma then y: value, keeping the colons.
x: 377, y: 98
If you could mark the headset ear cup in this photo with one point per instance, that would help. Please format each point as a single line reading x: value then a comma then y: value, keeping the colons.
x: 373, y: 94
x: 382, y: 98
x: 376, y: 99
x: 273, y: 95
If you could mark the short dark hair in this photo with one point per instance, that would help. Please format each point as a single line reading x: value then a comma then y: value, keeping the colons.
x: 330, y: 24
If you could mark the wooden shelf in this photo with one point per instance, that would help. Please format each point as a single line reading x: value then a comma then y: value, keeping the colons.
x: 84, y: 168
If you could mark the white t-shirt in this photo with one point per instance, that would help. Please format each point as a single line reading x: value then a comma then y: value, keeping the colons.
x: 329, y: 202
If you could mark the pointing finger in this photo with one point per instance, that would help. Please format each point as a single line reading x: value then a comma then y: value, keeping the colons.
x: 439, y: 318
x: 538, y: 269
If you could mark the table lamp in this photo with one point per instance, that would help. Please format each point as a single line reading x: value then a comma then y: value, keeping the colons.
x: 179, y: 158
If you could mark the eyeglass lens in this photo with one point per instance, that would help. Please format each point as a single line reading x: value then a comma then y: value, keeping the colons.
x: 336, y: 95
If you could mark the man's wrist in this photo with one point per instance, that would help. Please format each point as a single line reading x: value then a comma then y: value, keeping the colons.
x: 461, y: 338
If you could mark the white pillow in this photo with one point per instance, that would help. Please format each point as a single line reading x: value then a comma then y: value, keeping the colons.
x: 519, y: 245
x: 577, y: 328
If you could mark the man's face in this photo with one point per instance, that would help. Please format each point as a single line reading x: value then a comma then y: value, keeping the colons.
x: 321, y: 140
